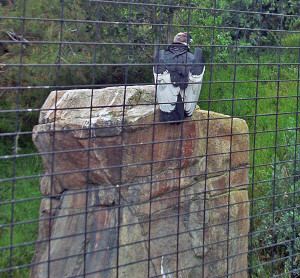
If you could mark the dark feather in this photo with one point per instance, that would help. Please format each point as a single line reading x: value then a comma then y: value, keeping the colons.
x: 176, y: 115
x: 179, y: 62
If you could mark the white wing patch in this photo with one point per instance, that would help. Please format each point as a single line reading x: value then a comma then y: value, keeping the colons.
x: 192, y: 93
x: 166, y: 92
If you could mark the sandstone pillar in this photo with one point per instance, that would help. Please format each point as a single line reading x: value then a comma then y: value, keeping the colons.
x: 178, y: 203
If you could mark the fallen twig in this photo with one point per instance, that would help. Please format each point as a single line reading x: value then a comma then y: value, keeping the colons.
x: 13, y: 36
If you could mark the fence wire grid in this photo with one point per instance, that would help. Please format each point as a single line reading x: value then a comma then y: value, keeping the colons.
x: 93, y: 184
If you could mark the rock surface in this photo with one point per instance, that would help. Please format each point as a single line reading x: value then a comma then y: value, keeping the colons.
x: 97, y: 215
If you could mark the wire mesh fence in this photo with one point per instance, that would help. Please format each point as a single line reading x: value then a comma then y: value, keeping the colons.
x: 95, y: 184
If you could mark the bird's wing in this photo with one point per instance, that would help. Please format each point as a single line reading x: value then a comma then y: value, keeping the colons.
x: 192, y: 92
x: 197, y: 64
x: 166, y: 92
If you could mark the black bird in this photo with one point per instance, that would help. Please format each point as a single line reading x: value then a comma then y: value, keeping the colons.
x: 178, y: 74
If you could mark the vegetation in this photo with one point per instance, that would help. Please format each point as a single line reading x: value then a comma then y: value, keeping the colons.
x: 25, y: 209
x: 267, y: 105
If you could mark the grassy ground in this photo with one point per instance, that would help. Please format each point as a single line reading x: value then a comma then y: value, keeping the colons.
x: 275, y: 109
x: 23, y: 210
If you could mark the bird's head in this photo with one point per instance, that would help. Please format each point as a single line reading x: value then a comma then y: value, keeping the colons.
x: 183, y: 38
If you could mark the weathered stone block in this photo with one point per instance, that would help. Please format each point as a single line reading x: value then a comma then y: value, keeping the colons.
x: 137, y: 196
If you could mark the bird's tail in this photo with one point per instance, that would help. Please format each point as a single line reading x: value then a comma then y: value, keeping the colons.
x: 177, y: 115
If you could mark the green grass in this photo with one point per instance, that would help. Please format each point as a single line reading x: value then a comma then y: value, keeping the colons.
x: 22, y: 210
